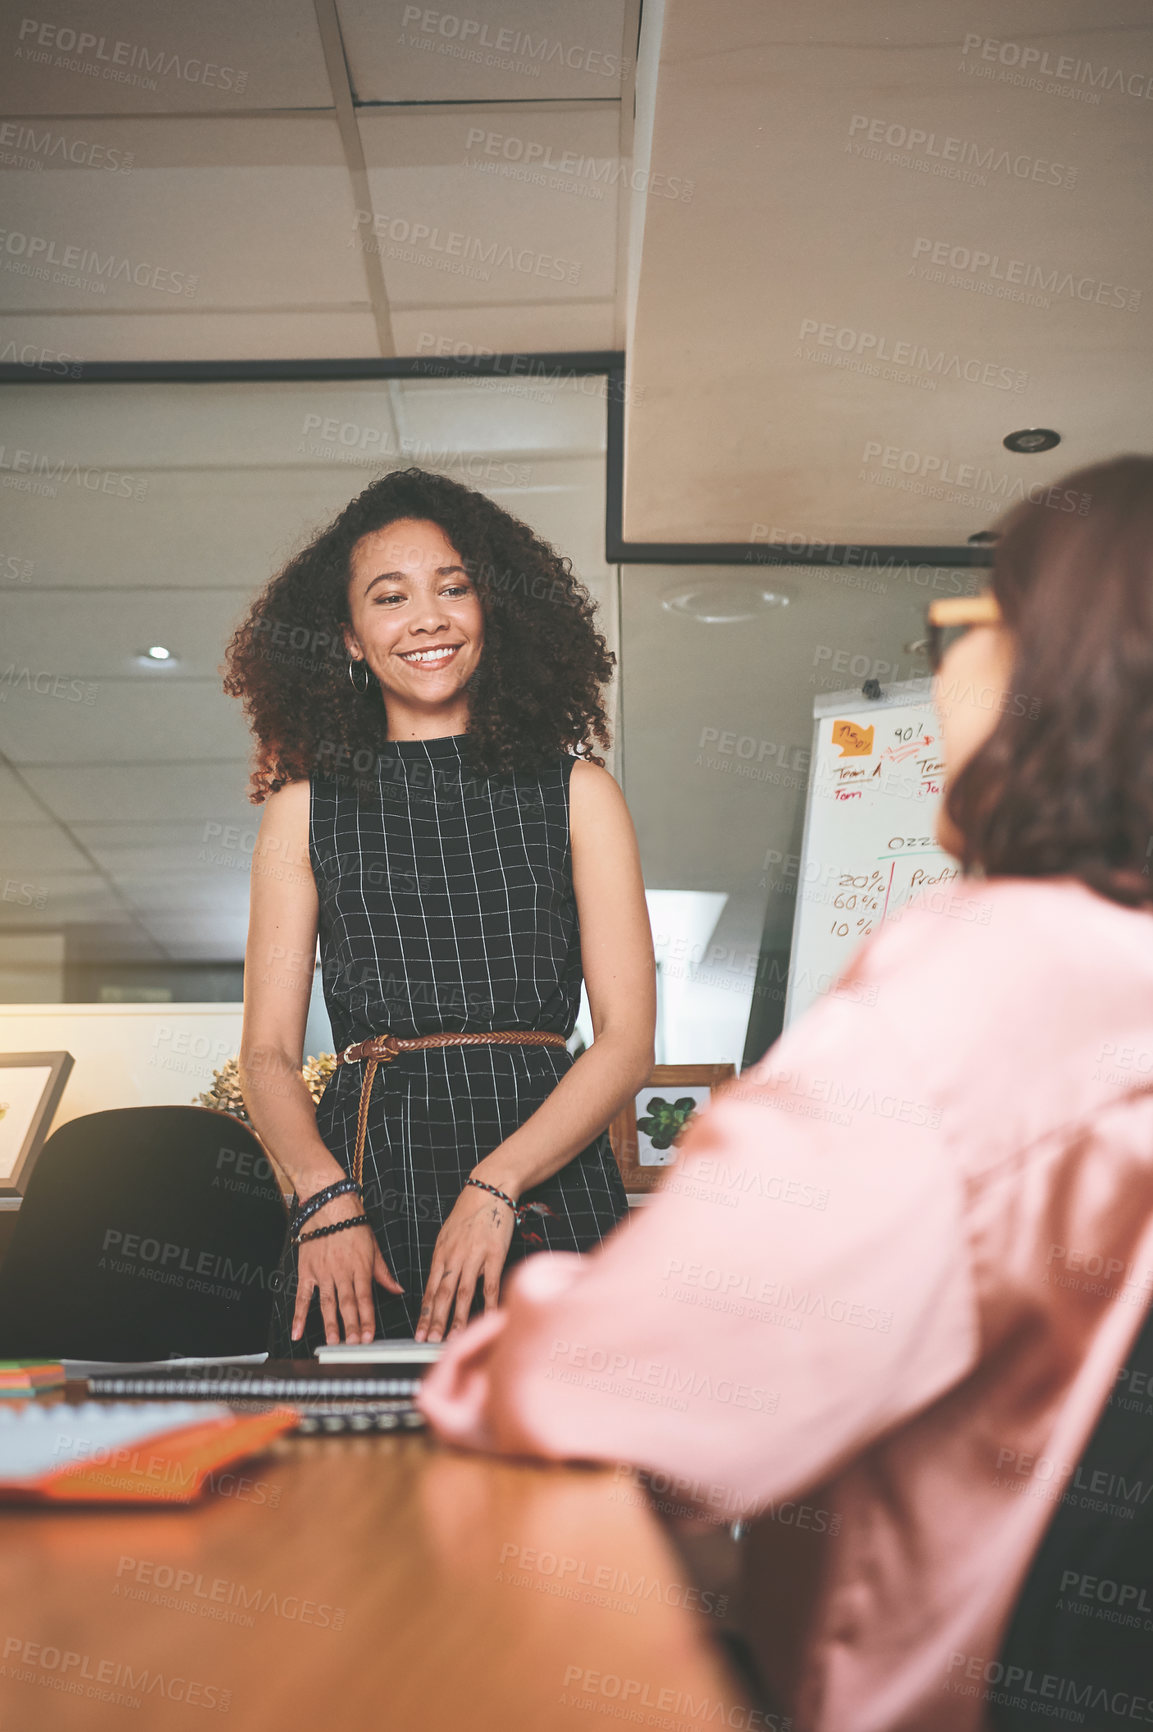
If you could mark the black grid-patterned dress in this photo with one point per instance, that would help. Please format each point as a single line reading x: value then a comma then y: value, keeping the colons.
x: 446, y: 904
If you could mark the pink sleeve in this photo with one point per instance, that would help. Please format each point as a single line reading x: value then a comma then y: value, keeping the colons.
x: 798, y: 1286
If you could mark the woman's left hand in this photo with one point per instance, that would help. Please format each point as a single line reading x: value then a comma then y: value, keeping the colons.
x: 471, y: 1246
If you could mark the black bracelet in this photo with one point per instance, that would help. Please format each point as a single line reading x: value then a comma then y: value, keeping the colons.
x: 519, y: 1210
x: 493, y: 1192
x: 318, y: 1202
x: 337, y: 1227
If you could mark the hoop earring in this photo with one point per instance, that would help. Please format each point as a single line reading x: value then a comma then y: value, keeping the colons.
x: 366, y: 687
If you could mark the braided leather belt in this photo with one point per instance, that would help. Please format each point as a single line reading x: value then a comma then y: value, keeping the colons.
x: 383, y: 1048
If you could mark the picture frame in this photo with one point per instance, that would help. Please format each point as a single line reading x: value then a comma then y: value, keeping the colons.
x: 645, y: 1151
x: 31, y: 1084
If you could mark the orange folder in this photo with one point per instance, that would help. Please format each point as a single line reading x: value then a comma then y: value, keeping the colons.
x: 162, y: 1467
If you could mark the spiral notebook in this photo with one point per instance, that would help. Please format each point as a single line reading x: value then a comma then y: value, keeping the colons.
x: 300, y: 1382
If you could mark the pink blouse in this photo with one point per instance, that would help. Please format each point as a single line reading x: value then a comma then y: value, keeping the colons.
x: 896, y: 1270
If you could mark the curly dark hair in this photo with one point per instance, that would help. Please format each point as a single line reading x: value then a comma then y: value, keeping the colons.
x: 1063, y: 786
x: 537, y: 691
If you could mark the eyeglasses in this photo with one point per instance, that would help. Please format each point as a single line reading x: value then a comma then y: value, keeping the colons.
x: 950, y: 617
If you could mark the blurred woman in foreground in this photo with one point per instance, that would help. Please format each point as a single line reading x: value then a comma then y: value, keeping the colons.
x: 924, y: 1356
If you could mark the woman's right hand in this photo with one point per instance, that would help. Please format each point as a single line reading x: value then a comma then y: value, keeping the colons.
x: 341, y: 1268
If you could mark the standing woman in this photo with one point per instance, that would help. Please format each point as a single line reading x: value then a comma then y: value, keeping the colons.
x: 425, y: 683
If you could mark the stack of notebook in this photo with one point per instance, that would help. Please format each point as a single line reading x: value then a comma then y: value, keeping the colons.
x: 27, y: 1377
x: 354, y: 1388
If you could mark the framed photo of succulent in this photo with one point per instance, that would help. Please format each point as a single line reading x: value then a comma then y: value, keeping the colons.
x: 646, y: 1136
x: 31, y: 1084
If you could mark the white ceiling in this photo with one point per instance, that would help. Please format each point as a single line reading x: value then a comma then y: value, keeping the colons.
x: 354, y: 178
x: 230, y: 205
x: 797, y: 252
x: 255, y: 187
x: 524, y: 50
x: 158, y: 57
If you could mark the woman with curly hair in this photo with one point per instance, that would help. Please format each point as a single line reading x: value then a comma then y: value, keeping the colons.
x: 425, y: 685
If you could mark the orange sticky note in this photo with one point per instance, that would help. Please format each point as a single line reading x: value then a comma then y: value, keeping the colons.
x: 854, y: 741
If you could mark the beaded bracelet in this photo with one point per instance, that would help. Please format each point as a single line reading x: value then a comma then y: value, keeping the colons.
x: 316, y: 1203
x: 337, y: 1227
x: 493, y: 1192
x: 520, y: 1210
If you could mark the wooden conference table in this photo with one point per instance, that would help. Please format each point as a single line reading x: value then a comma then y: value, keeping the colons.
x: 349, y: 1584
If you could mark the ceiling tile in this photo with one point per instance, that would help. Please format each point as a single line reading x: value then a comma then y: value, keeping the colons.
x: 98, y: 636
x: 176, y: 893
x: 519, y: 50
x: 538, y: 415
x: 280, y: 426
x: 27, y: 851
x: 565, y: 506
x: 224, y: 213
x: 48, y: 716
x: 449, y: 230
x: 67, y: 898
x: 220, y: 525
x: 173, y: 847
x: 142, y: 792
x: 273, y: 431
x: 162, y: 57
x: 524, y: 329
x: 318, y: 334
x: 191, y: 528
x: 17, y: 802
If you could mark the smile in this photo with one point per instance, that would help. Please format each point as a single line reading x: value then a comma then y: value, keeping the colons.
x: 431, y: 657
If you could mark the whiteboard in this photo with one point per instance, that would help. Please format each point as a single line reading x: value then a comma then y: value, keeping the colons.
x: 874, y: 788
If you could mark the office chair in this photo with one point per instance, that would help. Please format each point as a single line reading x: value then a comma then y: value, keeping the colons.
x: 144, y: 1232
x: 1084, y: 1617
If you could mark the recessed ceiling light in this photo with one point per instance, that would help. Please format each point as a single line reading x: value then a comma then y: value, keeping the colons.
x: 1029, y: 440
x: 158, y: 653
x: 724, y: 603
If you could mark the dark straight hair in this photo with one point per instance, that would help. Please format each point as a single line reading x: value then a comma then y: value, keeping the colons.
x: 1063, y: 787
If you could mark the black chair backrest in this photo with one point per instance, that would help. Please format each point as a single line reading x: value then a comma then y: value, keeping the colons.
x: 1081, y: 1638
x: 144, y: 1232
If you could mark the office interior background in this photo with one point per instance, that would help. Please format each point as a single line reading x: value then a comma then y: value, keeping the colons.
x: 735, y: 304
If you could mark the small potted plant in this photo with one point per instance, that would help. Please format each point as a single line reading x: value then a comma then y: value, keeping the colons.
x: 225, y: 1095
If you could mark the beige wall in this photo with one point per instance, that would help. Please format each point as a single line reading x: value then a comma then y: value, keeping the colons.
x: 126, y: 1055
